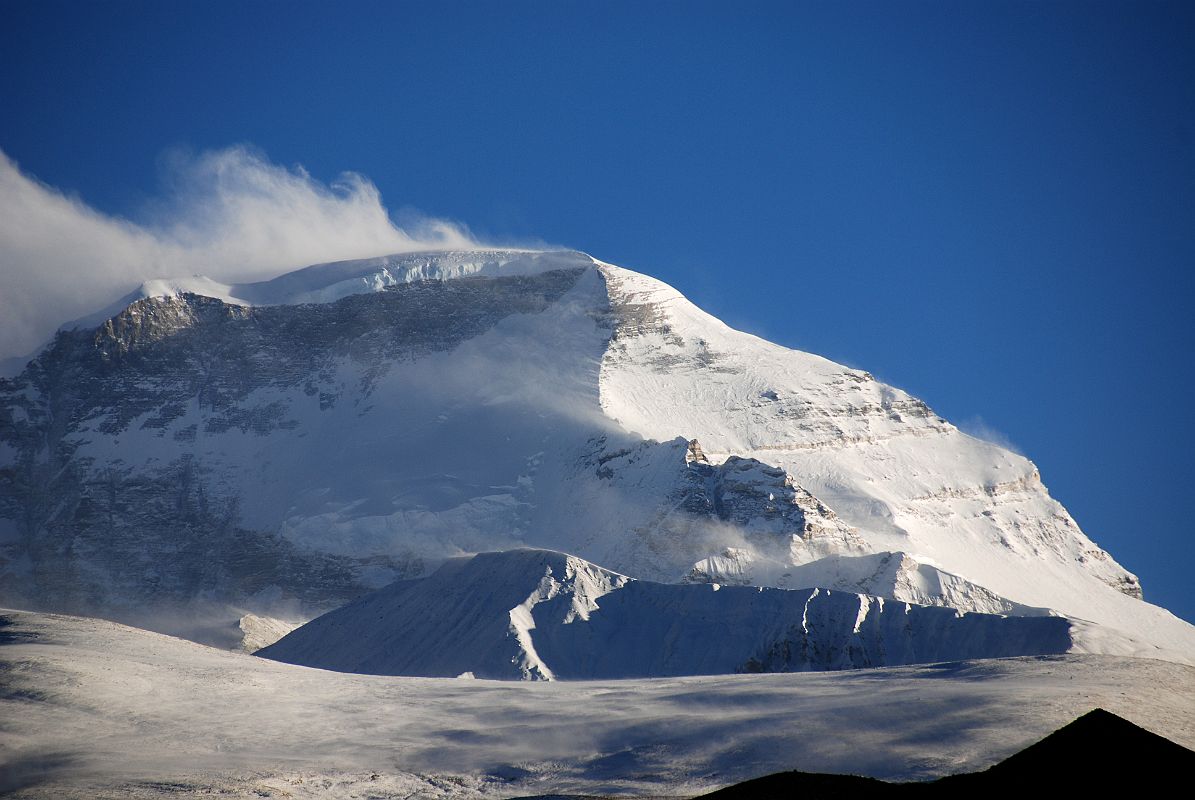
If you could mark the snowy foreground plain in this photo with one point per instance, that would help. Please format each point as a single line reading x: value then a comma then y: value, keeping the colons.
x: 94, y: 709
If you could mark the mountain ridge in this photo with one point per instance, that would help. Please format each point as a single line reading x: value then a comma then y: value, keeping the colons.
x: 544, y: 615
x: 1130, y: 758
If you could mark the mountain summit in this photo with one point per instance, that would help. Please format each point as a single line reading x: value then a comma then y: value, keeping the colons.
x: 205, y: 451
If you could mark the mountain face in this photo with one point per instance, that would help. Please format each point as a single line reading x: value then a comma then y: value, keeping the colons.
x: 205, y: 451
x: 541, y: 615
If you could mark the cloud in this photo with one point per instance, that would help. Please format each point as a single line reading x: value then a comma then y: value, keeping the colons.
x: 228, y: 214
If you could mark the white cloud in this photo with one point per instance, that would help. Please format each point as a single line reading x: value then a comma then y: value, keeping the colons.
x: 228, y: 214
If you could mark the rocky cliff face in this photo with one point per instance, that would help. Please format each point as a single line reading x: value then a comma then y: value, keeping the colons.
x: 112, y: 498
x: 280, y: 448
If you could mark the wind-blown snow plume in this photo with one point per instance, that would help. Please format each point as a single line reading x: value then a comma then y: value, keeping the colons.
x: 979, y: 428
x: 228, y: 214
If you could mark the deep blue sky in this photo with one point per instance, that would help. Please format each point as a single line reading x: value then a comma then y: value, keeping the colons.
x: 991, y: 205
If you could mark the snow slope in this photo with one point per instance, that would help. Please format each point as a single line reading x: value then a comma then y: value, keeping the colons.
x: 907, y: 480
x: 93, y: 709
x: 541, y: 615
x: 278, y: 449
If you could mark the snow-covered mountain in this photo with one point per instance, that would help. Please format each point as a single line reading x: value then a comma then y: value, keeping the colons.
x: 542, y: 615
x: 206, y: 451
